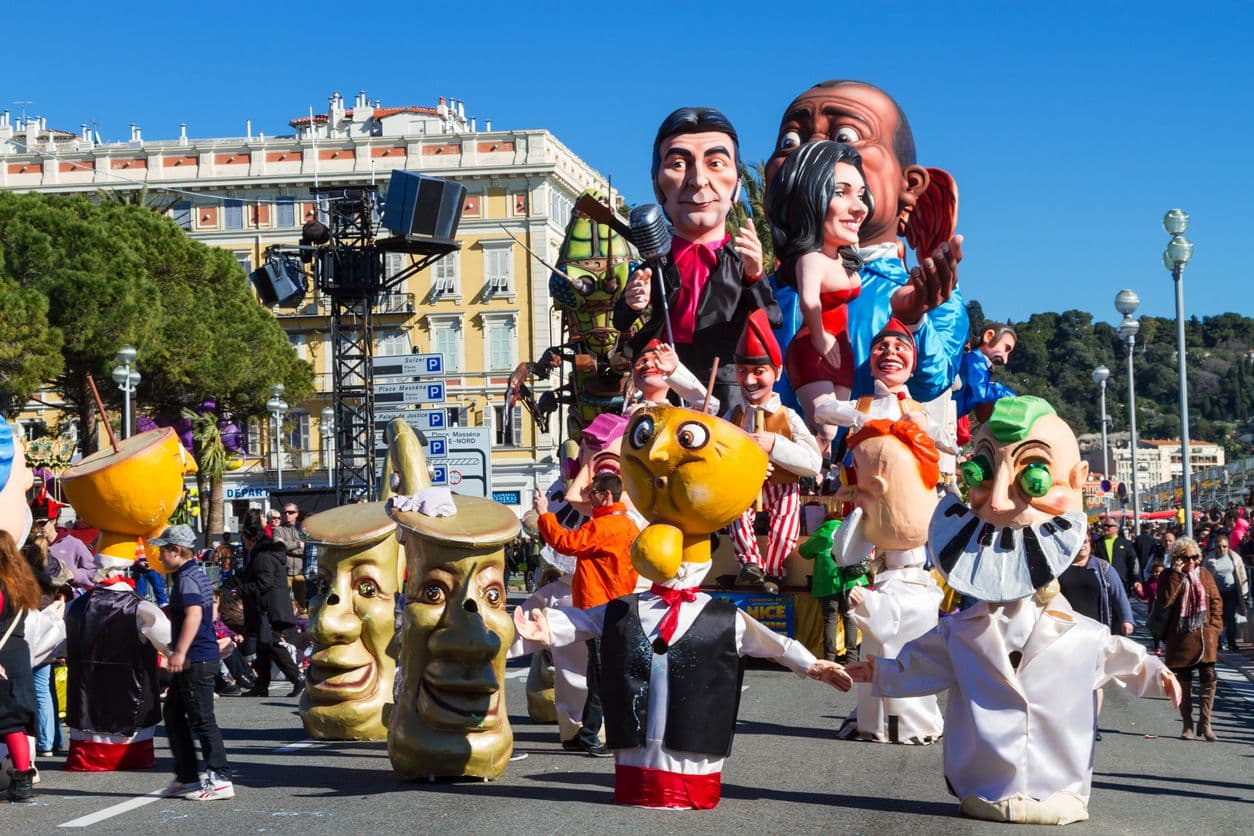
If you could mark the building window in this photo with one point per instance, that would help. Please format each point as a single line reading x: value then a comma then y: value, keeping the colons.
x: 182, y: 214
x: 296, y: 439
x: 501, y: 338
x: 508, y: 426
x: 254, y: 435
x: 245, y: 259
x: 444, y: 277
x: 391, y: 342
x: 498, y: 267
x: 285, y: 212
x: 446, y: 339
x: 233, y: 213
x: 561, y: 207
x: 300, y: 344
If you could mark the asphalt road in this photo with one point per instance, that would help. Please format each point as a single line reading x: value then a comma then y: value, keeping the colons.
x: 787, y: 774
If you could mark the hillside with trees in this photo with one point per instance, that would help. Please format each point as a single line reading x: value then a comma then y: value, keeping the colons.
x: 1057, y: 353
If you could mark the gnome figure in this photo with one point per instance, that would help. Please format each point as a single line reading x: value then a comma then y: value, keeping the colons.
x: 789, y: 445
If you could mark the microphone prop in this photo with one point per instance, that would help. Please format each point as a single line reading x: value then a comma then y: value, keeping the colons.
x: 652, y: 238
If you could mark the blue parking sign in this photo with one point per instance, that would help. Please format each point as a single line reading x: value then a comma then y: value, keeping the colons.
x: 435, y: 364
x: 437, y: 447
x: 439, y: 475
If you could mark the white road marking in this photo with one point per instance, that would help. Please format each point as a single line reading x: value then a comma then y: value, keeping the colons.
x: 155, y: 795
x: 115, y: 810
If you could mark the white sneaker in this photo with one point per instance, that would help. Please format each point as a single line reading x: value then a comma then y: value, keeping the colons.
x: 177, y: 788
x: 213, y: 788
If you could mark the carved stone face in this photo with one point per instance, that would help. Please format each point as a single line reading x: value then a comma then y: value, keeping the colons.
x: 351, y: 620
x: 450, y: 719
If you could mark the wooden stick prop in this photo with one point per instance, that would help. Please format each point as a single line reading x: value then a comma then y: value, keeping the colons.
x: 537, y: 257
x: 759, y: 425
x: 709, y: 387
x: 113, y: 439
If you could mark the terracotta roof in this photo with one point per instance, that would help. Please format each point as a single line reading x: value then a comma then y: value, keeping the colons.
x: 379, y: 113
x: 1175, y: 442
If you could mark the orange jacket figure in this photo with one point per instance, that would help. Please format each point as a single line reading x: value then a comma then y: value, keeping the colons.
x: 602, y: 546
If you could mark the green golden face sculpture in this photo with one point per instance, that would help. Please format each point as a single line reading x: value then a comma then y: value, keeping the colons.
x: 351, y: 620
x: 450, y: 719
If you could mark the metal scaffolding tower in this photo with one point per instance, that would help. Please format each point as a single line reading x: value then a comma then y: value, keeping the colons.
x: 349, y: 268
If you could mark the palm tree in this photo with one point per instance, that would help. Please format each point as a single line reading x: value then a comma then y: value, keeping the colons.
x: 754, y: 178
x: 139, y: 197
x: 211, y: 464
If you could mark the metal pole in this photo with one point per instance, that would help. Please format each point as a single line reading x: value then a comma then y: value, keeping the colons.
x: 278, y: 452
x: 126, y: 403
x: 1177, y: 274
x: 1136, y: 494
x: 1105, y: 451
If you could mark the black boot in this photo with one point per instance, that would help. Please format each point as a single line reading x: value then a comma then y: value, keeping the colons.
x: 21, y: 786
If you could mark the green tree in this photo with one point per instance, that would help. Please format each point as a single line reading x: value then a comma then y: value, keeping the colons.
x: 30, y: 349
x: 753, y: 177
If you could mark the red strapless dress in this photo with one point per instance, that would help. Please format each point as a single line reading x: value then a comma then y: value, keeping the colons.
x: 803, y: 364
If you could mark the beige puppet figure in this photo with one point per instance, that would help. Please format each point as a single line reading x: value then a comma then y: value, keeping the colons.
x: 450, y: 719
x: 894, y: 495
x: 361, y: 567
x: 1020, y: 665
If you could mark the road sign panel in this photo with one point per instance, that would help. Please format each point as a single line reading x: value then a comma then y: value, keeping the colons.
x: 419, y: 419
x: 408, y: 365
x: 439, y: 474
x: 399, y: 393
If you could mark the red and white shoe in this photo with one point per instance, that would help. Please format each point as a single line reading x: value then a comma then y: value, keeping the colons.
x: 213, y: 788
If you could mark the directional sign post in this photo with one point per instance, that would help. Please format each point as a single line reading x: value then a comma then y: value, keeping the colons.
x: 408, y: 365
x: 424, y: 392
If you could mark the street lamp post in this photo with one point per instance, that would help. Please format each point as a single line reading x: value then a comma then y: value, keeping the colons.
x: 277, y: 407
x: 326, y: 429
x: 1126, y: 303
x: 1100, y: 374
x: 127, y: 380
x: 1179, y: 250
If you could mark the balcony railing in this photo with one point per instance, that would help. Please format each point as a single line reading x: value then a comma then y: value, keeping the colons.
x: 388, y: 303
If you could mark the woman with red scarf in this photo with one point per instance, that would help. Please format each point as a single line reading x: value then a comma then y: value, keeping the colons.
x: 1196, y: 620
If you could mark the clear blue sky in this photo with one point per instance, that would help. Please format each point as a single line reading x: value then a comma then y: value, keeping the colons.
x: 1070, y: 127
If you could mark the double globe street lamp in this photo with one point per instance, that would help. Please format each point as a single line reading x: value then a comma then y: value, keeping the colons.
x: 1126, y: 303
x: 1179, y: 251
x: 127, y: 380
x: 1100, y: 375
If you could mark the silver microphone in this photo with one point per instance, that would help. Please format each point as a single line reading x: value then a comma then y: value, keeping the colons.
x: 652, y: 238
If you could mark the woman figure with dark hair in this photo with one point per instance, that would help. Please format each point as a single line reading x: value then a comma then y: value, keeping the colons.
x: 818, y: 203
x: 19, y: 593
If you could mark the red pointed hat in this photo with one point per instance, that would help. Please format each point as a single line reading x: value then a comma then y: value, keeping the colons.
x: 899, y: 329
x: 757, y: 344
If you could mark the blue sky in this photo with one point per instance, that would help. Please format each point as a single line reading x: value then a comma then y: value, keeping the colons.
x: 1070, y: 127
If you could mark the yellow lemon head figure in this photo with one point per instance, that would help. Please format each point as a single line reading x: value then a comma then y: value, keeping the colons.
x: 690, y: 472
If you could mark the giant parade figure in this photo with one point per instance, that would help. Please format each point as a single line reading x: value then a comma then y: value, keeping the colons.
x: 671, y: 657
x: 1021, y: 665
x: 919, y: 203
x: 698, y: 295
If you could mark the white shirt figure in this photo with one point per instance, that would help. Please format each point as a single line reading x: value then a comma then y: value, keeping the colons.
x: 902, y: 606
x: 799, y: 454
x: 751, y: 637
x: 1019, y: 739
x: 570, y: 662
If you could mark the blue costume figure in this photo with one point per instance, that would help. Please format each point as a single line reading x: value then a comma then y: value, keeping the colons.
x: 978, y: 388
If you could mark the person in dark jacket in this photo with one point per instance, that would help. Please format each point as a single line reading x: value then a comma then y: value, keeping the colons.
x: 268, y: 609
x: 1118, y: 551
x: 1196, y: 621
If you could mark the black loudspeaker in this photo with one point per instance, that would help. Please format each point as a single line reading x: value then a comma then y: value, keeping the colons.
x: 427, y: 207
x: 280, y: 281
x: 350, y: 271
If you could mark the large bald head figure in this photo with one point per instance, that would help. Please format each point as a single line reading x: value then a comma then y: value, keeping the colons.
x: 864, y: 116
x: 1026, y: 520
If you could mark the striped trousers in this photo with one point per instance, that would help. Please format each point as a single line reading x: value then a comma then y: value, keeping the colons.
x: 784, y: 504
